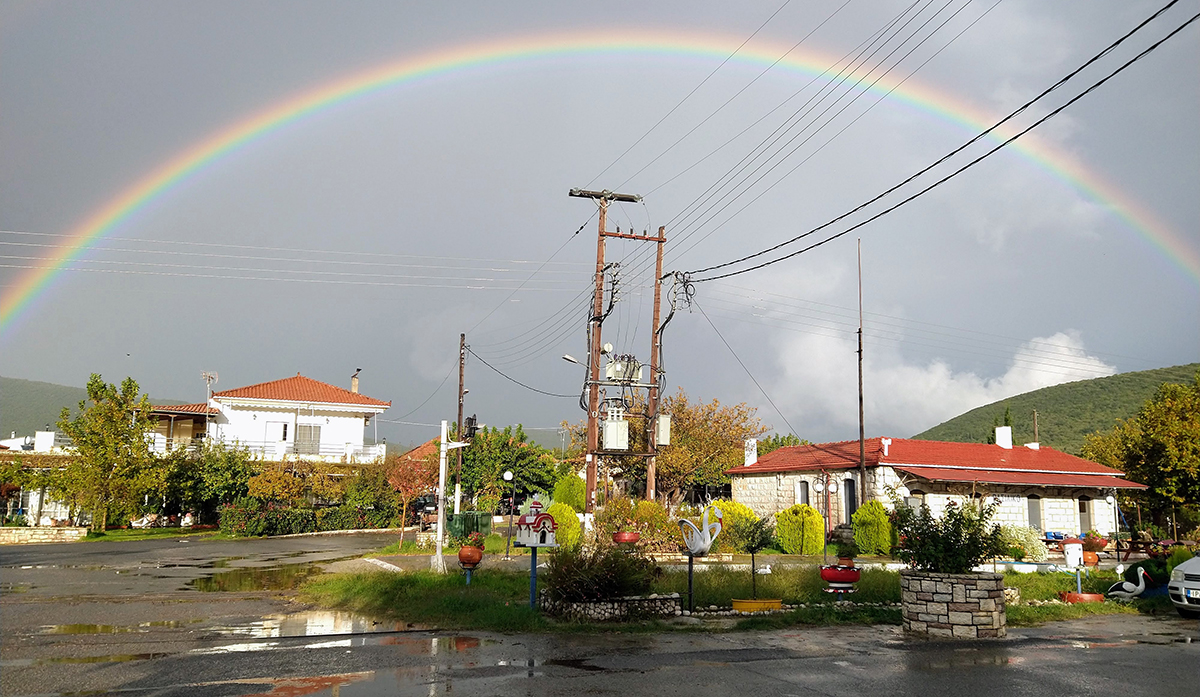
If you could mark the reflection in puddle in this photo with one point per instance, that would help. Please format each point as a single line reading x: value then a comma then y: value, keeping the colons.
x: 311, y: 623
x: 113, y: 629
x: 279, y: 578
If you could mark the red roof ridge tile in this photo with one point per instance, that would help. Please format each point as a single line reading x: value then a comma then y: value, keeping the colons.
x: 301, y: 389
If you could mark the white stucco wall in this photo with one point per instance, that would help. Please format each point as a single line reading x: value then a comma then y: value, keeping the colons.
x: 260, y: 427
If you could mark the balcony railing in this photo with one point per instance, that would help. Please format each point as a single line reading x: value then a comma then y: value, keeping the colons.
x: 326, y: 452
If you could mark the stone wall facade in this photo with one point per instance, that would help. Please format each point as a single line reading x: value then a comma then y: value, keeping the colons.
x: 37, y: 536
x: 636, y: 607
x: 961, y: 606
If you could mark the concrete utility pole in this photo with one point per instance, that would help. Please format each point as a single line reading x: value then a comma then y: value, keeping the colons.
x: 462, y: 360
x: 593, y: 419
x: 437, y: 564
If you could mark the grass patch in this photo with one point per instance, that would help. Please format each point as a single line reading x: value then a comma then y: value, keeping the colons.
x: 1047, y: 586
x: 492, y: 544
x: 823, y: 616
x: 495, y: 600
x: 126, y: 534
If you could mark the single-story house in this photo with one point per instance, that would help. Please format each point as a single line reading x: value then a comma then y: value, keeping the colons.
x: 1035, y: 486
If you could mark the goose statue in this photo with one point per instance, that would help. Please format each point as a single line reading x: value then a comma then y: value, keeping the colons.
x: 1126, y: 590
x: 700, y: 539
x: 764, y: 570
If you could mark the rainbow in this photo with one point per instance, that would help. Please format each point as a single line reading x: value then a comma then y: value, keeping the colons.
x: 431, y: 66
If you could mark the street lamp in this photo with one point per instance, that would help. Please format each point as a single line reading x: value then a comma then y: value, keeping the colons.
x: 570, y: 359
x: 512, y: 503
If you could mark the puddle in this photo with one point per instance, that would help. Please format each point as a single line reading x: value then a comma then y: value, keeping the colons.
x: 577, y: 663
x: 113, y: 629
x: 278, y: 578
x: 314, y: 623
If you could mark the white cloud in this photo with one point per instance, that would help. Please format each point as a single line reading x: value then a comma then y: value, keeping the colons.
x: 819, y: 384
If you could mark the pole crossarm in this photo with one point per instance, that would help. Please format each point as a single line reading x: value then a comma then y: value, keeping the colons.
x: 639, y: 238
x: 605, y: 195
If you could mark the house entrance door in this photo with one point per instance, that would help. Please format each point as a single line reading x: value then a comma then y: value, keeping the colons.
x: 1085, y: 515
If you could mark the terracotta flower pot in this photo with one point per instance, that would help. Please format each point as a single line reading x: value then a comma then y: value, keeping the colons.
x: 624, y: 537
x: 846, y: 561
x: 469, y: 557
x: 1090, y: 558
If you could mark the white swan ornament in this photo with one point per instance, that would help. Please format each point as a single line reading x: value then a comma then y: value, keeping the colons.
x: 1128, y: 591
x: 700, y: 539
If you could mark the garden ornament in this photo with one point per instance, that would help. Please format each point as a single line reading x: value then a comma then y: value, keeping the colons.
x: 699, y: 540
x: 1126, y: 590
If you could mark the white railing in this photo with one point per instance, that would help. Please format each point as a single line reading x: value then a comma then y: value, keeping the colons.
x: 325, y: 452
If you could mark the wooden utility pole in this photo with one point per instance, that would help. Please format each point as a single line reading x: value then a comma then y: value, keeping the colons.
x: 458, y: 435
x: 593, y: 417
x: 652, y: 398
x: 862, y: 449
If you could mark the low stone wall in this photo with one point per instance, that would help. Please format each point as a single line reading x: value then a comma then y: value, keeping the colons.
x: 966, y: 606
x: 636, y: 607
x: 40, y: 535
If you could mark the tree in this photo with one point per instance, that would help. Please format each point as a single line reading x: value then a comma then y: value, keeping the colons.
x: 991, y: 436
x: 113, y: 466
x: 706, y: 439
x: 493, y: 451
x: 414, y: 474
x: 777, y: 441
x: 1158, y: 447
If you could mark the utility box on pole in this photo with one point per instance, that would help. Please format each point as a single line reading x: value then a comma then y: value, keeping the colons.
x: 616, y: 435
x: 662, y: 430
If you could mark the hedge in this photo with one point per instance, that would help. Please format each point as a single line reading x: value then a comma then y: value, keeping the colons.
x: 872, y: 529
x: 570, y: 490
x: 249, y: 517
x: 800, y: 530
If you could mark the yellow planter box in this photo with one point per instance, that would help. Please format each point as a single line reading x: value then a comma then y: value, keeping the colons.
x: 757, y: 605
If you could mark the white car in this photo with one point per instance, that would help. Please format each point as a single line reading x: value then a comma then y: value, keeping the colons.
x: 1184, y: 588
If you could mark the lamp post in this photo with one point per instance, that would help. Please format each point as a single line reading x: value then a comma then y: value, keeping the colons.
x: 512, y: 503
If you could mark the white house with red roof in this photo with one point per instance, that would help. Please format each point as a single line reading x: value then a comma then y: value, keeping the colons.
x: 1035, y: 486
x: 292, y: 417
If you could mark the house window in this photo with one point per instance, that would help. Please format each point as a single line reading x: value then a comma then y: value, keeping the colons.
x: 801, y: 491
x: 1035, y: 511
x: 308, y: 439
x: 851, y: 497
x: 284, y: 432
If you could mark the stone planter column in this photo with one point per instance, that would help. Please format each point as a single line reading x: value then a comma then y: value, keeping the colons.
x: 965, y: 606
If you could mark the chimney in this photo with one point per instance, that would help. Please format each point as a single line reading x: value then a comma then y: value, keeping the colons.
x: 885, y: 442
x: 354, y: 380
x: 1004, y: 437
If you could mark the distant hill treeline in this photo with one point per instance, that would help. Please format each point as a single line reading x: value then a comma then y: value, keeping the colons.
x: 27, y: 406
x: 1067, y: 412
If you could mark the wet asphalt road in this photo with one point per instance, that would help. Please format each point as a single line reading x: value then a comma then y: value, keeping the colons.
x: 71, y: 629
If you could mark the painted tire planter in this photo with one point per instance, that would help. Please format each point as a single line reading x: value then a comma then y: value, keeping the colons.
x: 841, y: 578
x: 1068, y: 597
x: 625, y: 537
x: 469, y: 557
x: 757, y: 605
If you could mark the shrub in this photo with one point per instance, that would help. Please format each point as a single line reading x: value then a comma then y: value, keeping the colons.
x: 569, y: 529
x: 954, y: 544
x: 248, y: 517
x: 659, y: 533
x: 571, y: 490
x: 1156, y: 569
x: 872, y: 528
x: 614, y: 516
x: 800, y: 530
x: 735, y: 517
x: 1179, y: 556
x: 575, y: 573
x: 1025, y: 539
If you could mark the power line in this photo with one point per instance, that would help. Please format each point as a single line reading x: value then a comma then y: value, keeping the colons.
x: 518, y: 382
x: 686, y: 97
x: 962, y: 169
x: 739, y: 360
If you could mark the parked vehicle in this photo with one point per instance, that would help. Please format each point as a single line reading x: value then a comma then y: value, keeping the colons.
x: 1184, y: 588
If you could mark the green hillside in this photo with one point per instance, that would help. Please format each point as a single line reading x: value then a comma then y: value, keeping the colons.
x: 27, y: 406
x: 1067, y: 412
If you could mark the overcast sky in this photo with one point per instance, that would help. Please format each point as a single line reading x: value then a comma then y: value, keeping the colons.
x: 371, y: 233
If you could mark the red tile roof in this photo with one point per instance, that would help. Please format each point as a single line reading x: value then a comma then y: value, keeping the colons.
x: 302, y: 389
x: 945, y: 462
x: 168, y: 409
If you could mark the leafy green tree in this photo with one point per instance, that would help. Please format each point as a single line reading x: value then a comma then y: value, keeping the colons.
x: 570, y: 490
x: 707, y: 438
x: 777, y: 441
x: 872, y: 528
x: 1159, y: 447
x: 493, y: 451
x: 113, y: 467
